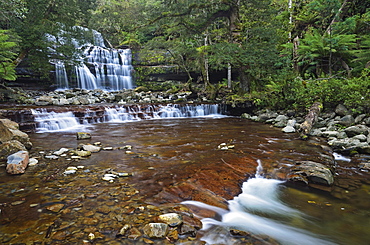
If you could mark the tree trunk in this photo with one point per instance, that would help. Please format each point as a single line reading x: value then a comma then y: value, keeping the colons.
x: 310, y: 120
x: 228, y: 75
x: 244, y: 81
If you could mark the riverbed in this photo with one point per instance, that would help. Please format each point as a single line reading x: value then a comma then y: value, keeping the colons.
x: 170, y: 161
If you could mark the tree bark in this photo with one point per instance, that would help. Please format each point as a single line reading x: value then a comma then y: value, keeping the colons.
x: 310, y: 120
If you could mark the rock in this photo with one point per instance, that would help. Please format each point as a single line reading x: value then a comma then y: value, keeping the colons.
x: 83, y: 135
x: 360, y: 118
x: 5, y: 133
x: 356, y: 130
x: 9, y: 124
x: 360, y: 137
x: 55, y: 208
x: 17, y: 162
x: 134, y: 233
x: 347, y: 120
x: 288, y: 129
x: 156, y: 230
x: 82, y: 153
x: 91, y: 148
x: 266, y: 116
x: 312, y: 172
x: 10, y: 147
x: 171, y: 219
x: 21, y: 137
x: 61, y: 151
x: 367, y: 121
x: 124, y: 229
x: 341, y: 110
x: 33, y: 162
x: 329, y: 134
x: 281, y: 121
x: 365, y: 165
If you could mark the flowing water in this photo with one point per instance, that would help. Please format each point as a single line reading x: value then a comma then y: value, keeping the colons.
x: 100, y: 67
x: 167, y: 154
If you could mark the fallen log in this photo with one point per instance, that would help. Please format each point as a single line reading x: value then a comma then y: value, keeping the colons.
x: 310, y: 120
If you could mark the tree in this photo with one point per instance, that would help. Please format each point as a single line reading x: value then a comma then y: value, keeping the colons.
x: 35, y: 21
x: 7, y: 57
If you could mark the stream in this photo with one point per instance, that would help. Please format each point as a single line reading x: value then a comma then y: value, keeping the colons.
x: 179, y: 160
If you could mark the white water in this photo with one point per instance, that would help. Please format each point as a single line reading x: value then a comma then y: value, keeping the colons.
x: 54, y: 122
x: 258, y: 210
x: 100, y: 67
x: 66, y: 121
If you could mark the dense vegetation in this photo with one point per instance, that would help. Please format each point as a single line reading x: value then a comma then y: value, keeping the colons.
x: 273, y: 52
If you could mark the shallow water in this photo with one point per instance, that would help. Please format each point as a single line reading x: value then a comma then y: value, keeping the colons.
x: 167, y: 153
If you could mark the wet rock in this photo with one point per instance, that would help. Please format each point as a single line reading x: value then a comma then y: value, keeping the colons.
x: 55, y: 208
x: 33, y: 161
x: 288, y: 129
x: 83, y: 135
x: 171, y: 219
x: 124, y: 229
x: 134, y: 233
x: 311, y: 172
x: 91, y: 148
x: 156, y: 230
x: 10, y: 147
x: 82, y: 153
x: 17, y: 162
x: 365, y: 165
x: 61, y: 151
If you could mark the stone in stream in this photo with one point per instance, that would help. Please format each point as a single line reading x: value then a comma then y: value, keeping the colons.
x: 311, y: 172
x: 156, y: 230
x: 172, y: 219
x: 91, y: 148
x: 83, y: 135
x: 10, y: 147
x: 17, y: 162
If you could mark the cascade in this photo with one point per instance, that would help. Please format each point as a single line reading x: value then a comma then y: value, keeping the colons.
x: 68, y: 121
x: 53, y: 121
x: 257, y: 210
x: 100, y: 67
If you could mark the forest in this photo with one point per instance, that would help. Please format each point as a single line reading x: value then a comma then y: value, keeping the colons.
x: 275, y: 53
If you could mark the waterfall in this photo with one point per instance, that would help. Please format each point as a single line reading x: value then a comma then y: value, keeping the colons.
x: 100, y: 67
x: 258, y: 210
x: 67, y: 121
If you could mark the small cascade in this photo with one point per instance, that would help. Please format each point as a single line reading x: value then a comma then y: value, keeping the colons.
x: 68, y: 121
x: 54, y: 122
x: 258, y: 210
x: 61, y: 75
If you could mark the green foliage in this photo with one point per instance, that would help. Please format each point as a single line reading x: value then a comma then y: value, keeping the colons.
x: 7, y: 56
x: 299, y: 93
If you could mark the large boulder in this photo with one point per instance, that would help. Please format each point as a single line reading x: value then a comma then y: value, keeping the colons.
x: 9, y: 130
x: 17, y: 162
x: 5, y: 133
x: 311, y: 172
x: 10, y: 147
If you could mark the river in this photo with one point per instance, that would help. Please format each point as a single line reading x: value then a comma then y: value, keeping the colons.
x: 182, y: 160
